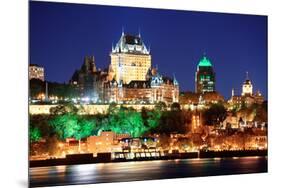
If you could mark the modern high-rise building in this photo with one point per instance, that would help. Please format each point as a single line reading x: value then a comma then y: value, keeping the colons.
x: 204, y: 76
x: 130, y: 59
x: 36, y: 72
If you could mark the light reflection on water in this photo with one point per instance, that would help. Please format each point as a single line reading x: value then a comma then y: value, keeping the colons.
x: 144, y: 170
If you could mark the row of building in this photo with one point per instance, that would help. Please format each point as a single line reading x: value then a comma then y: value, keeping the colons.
x: 131, y: 78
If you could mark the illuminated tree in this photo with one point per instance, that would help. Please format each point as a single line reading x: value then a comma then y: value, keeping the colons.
x: 135, y: 124
x: 123, y: 120
x: 41, y: 122
x: 72, y: 126
x: 153, y: 118
x: 34, y: 134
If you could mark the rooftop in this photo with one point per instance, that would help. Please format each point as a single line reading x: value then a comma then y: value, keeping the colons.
x: 205, y: 62
x: 130, y: 44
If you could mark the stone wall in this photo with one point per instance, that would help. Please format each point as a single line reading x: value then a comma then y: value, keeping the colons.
x: 88, y: 109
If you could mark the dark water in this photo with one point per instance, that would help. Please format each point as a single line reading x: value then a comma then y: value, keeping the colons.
x: 146, y: 170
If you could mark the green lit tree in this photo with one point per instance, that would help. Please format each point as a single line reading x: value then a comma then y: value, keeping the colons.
x: 153, y: 118
x: 135, y: 124
x: 124, y: 120
x: 84, y: 129
x: 34, y: 134
x: 72, y: 126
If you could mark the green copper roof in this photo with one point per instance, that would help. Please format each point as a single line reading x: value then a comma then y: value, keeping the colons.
x: 204, y: 62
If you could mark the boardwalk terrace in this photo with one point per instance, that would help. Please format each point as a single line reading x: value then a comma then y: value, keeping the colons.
x: 88, y: 109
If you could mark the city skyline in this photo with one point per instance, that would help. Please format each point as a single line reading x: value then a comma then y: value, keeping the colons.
x: 233, y: 48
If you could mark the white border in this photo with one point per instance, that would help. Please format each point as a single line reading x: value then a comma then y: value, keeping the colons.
x: 13, y: 82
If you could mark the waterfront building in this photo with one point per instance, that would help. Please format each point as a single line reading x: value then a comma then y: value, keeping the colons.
x: 101, y: 143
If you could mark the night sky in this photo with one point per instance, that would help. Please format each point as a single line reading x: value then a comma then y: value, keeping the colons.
x: 62, y: 34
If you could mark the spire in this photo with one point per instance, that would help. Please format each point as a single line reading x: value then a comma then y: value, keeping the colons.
x: 175, y: 80
x: 122, y: 31
x: 232, y: 92
x: 247, y: 75
x: 112, y: 48
x: 139, y: 35
x: 204, y: 54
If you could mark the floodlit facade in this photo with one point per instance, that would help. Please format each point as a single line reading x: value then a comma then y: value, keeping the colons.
x: 36, y: 72
x: 155, y: 88
x: 247, y: 87
x: 247, y: 96
x: 130, y: 59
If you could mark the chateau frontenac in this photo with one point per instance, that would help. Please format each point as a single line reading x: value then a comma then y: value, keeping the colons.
x: 129, y: 78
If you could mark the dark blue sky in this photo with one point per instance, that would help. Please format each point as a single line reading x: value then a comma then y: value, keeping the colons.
x: 62, y: 34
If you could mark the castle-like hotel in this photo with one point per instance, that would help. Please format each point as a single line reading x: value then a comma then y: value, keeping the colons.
x: 129, y: 78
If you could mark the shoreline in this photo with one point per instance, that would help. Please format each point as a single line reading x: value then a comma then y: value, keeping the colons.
x: 78, y: 159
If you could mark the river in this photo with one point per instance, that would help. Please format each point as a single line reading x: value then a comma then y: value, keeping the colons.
x: 144, y: 170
